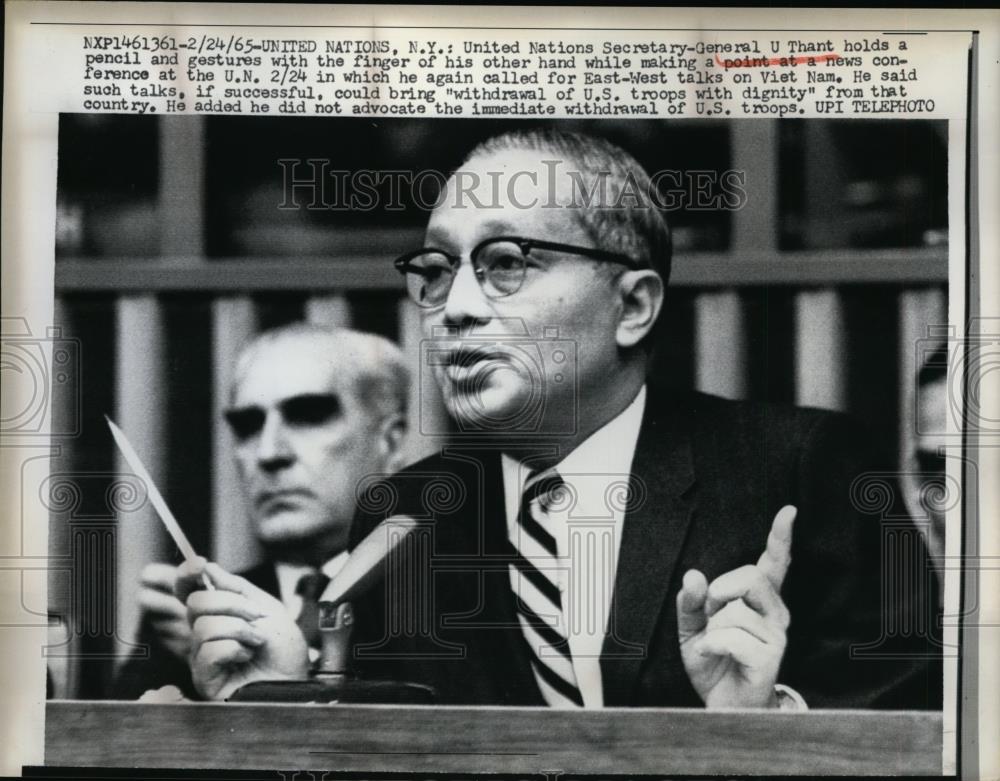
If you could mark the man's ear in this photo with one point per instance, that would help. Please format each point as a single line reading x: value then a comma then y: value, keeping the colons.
x: 391, y: 434
x: 641, y: 295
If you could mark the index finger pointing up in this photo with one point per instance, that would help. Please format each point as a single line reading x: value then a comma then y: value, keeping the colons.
x: 777, y: 556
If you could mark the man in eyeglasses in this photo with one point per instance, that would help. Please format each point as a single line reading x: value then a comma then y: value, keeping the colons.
x: 313, y: 411
x: 596, y: 542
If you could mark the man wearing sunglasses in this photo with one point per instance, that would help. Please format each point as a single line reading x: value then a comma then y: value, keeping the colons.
x: 602, y: 543
x: 312, y: 412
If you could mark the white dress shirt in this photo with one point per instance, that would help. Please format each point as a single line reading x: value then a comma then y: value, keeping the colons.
x: 588, y: 535
x: 290, y: 574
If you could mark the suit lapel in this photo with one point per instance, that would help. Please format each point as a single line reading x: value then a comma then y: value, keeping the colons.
x: 652, y: 538
x: 517, y: 679
x: 264, y: 577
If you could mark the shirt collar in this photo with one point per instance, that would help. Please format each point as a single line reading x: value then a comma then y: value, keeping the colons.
x: 609, y: 450
x: 289, y: 574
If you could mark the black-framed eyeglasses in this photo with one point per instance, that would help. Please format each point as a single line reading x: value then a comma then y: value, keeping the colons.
x: 500, y: 264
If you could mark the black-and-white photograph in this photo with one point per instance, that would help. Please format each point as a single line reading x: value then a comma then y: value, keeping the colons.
x: 580, y: 414
x: 481, y: 392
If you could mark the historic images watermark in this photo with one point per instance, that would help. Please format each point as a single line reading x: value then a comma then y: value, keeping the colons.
x: 313, y: 184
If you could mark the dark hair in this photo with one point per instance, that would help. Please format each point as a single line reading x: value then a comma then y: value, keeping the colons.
x: 625, y: 219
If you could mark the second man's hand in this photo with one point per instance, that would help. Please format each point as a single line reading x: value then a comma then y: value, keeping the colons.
x: 239, y: 633
x: 165, y: 614
x: 732, y: 632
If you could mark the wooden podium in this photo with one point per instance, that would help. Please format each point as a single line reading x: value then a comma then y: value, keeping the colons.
x: 459, y: 739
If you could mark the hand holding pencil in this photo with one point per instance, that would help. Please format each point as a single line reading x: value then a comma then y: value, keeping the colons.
x: 239, y: 633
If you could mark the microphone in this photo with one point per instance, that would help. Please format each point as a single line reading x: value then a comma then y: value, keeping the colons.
x: 367, y: 564
x: 332, y: 679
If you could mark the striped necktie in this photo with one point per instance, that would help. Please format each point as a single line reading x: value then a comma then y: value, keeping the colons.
x: 534, y: 575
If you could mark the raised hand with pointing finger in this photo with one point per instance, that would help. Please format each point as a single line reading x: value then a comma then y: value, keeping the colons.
x: 732, y: 631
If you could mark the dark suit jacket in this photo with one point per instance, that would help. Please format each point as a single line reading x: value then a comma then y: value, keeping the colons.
x: 709, y: 475
x: 153, y: 666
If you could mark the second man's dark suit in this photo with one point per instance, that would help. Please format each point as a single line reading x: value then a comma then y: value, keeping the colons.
x: 711, y: 474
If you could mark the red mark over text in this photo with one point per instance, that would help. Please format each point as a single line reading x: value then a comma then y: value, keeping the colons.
x: 764, y: 62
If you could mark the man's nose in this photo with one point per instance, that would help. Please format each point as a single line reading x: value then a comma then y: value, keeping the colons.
x: 274, y: 451
x: 466, y: 302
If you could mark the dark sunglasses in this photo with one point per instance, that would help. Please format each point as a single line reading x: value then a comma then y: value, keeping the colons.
x: 307, y: 409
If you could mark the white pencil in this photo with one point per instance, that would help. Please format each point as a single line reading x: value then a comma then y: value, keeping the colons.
x: 155, y: 498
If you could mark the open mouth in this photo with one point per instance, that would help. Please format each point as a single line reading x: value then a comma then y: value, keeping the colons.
x: 469, y: 355
x: 470, y: 367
